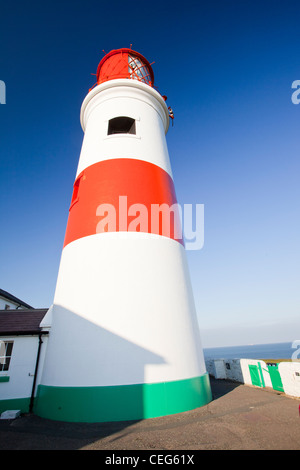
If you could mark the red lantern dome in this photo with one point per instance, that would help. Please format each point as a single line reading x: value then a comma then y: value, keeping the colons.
x: 125, y: 63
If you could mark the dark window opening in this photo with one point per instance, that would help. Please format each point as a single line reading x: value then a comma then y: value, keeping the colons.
x: 75, y: 191
x: 121, y: 125
x: 5, y: 354
x: 75, y: 195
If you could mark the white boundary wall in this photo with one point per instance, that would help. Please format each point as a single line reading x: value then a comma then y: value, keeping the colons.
x: 216, y: 368
x: 238, y: 370
x: 290, y: 377
x: 245, y: 363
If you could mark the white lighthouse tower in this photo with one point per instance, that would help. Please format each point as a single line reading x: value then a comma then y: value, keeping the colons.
x: 124, y: 341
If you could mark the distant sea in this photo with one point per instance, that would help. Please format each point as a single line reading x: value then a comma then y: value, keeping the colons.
x: 252, y: 351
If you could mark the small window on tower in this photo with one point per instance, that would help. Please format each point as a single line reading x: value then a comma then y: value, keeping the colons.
x: 121, y: 125
x: 75, y: 195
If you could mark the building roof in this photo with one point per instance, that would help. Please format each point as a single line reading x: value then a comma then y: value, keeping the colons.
x: 12, y: 298
x: 21, y: 322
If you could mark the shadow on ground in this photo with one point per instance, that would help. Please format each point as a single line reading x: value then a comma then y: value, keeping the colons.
x: 30, y: 432
x: 221, y: 387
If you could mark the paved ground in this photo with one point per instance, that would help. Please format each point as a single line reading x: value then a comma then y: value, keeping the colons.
x: 239, y: 417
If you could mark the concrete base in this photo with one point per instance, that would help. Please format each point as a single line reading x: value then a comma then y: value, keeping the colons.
x: 10, y: 414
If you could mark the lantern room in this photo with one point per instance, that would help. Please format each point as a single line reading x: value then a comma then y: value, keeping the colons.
x: 125, y: 63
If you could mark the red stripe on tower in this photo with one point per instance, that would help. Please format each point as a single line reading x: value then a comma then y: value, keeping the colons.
x: 123, y: 194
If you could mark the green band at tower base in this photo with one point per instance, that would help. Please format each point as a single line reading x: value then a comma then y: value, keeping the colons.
x: 122, y: 402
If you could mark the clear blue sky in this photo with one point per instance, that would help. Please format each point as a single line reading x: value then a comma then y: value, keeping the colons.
x: 227, y: 68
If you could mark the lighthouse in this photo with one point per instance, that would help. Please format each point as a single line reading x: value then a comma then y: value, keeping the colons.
x: 124, y: 342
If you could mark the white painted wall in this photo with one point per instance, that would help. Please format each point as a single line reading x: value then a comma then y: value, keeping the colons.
x: 22, y: 367
x: 237, y: 370
x: 233, y: 370
x: 216, y: 368
x: 244, y: 364
x: 290, y: 379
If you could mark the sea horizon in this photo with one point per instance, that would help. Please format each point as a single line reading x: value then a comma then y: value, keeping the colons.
x: 282, y: 350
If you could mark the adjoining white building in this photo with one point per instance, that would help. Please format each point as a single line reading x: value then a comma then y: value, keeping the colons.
x: 22, y: 347
x: 9, y: 301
